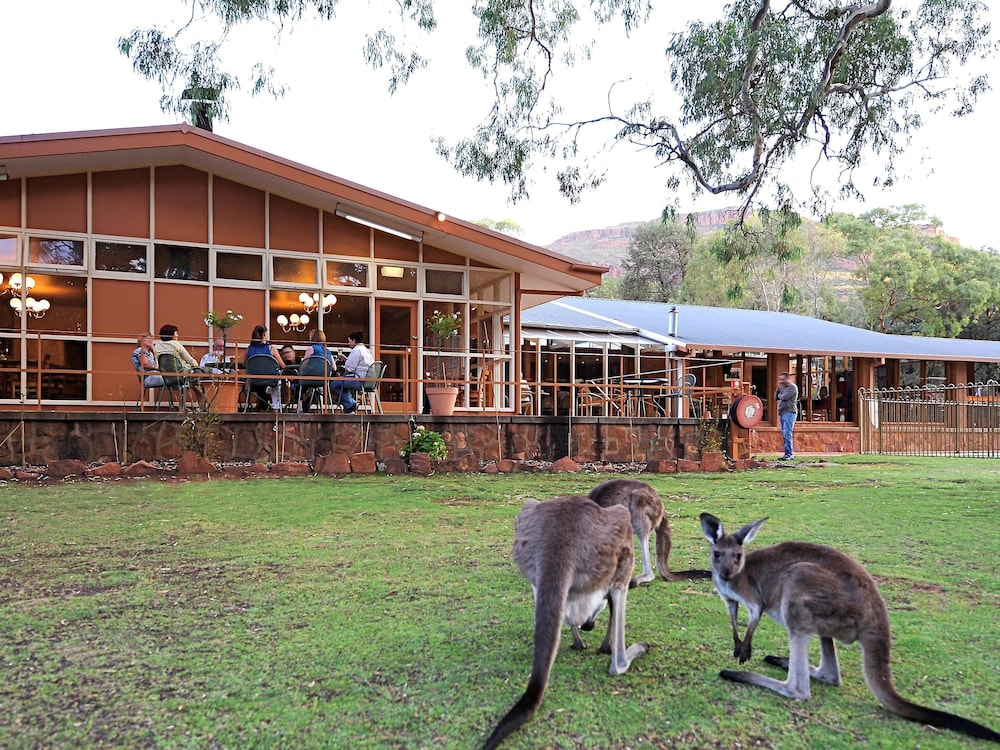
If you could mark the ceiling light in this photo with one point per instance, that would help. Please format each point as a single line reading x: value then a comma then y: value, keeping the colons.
x: 380, y: 227
x: 391, y: 272
x: 441, y: 216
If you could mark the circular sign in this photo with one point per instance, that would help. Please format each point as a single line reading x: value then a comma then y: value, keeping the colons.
x: 747, y: 411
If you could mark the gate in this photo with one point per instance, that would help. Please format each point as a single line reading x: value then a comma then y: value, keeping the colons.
x: 947, y: 420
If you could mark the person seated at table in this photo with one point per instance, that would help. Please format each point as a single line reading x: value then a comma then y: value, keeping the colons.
x: 289, y: 357
x: 144, y: 361
x: 169, y: 344
x: 260, y: 345
x: 215, y: 357
x: 318, y: 347
x: 356, y: 366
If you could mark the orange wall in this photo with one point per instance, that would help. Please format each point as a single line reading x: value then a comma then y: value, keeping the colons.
x: 10, y: 203
x: 120, y: 203
x: 250, y: 303
x: 181, y: 204
x: 343, y: 237
x: 183, y: 305
x: 390, y: 247
x: 110, y: 297
x: 58, y: 203
x: 436, y: 255
x: 293, y: 226
x: 237, y: 214
x: 113, y: 373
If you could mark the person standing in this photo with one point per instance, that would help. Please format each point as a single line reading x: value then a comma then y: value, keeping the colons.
x: 787, y: 398
x: 356, y: 366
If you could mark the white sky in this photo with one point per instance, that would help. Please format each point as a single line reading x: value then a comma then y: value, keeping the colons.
x: 63, y: 72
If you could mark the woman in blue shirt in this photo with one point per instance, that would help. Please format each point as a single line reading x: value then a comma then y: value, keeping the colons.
x: 259, y: 345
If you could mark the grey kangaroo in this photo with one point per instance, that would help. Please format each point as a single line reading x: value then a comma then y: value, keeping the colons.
x: 646, y: 509
x: 812, y: 590
x: 578, y: 558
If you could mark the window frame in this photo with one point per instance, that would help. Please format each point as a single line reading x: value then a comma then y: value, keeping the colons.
x: 99, y: 274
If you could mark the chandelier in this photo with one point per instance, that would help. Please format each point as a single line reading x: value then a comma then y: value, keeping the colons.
x: 312, y: 302
x: 16, y: 283
x: 36, y: 308
x: 293, y: 322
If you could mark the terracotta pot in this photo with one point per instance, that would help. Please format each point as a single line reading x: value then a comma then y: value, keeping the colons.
x: 442, y: 398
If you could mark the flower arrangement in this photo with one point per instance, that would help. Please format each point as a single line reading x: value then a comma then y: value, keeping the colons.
x: 222, y: 322
x: 425, y: 441
x: 444, y: 325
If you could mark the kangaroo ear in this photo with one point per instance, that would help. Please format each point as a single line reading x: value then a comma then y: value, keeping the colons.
x: 748, y: 532
x: 712, y: 527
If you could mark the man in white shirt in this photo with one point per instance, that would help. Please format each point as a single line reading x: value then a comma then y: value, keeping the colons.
x: 356, y: 366
x: 214, y: 357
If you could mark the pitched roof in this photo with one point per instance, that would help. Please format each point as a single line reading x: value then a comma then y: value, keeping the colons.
x: 734, y: 330
x: 544, y: 274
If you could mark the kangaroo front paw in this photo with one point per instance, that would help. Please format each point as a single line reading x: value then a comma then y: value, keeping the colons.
x: 743, y: 652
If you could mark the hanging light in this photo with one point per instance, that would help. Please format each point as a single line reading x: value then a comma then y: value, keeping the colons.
x: 16, y: 282
x: 312, y: 302
x: 293, y: 322
x: 36, y: 308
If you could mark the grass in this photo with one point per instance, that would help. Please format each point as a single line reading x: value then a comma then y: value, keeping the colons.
x: 386, y: 613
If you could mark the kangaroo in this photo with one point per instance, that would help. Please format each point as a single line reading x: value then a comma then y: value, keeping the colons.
x: 578, y: 558
x: 812, y: 590
x: 646, y: 509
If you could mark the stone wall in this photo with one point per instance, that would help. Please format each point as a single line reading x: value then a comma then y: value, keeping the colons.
x: 92, y: 436
x: 809, y: 437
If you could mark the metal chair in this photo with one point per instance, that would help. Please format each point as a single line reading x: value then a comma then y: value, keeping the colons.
x: 368, y: 397
x: 174, y: 378
x: 263, y: 372
x: 309, y: 390
x: 142, y: 374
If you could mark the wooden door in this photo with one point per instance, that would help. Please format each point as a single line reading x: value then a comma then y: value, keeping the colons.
x: 395, y: 345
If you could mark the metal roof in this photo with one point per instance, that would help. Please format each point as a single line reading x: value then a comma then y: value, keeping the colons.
x: 734, y: 330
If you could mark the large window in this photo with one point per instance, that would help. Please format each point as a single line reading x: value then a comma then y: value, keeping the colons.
x: 8, y: 249
x: 181, y: 263
x: 346, y: 274
x: 348, y: 315
x: 120, y: 257
x: 64, y: 303
x: 293, y: 271
x: 239, y: 266
x: 439, y: 281
x: 55, y: 252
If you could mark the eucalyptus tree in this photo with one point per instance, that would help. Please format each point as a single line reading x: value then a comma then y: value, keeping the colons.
x: 758, y: 86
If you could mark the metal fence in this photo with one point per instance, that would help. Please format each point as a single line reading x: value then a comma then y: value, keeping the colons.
x: 934, y: 420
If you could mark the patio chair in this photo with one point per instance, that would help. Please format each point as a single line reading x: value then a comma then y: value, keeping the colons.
x: 174, y: 378
x: 368, y: 398
x: 263, y: 372
x: 311, y: 390
x: 141, y: 374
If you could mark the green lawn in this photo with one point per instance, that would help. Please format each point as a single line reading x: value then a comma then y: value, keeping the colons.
x: 386, y: 612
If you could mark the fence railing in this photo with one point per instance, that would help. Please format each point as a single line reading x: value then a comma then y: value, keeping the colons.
x: 946, y: 420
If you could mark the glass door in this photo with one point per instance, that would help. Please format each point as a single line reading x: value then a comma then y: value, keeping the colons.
x: 395, y: 345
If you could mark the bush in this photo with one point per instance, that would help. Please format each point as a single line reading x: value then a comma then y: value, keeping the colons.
x: 425, y: 441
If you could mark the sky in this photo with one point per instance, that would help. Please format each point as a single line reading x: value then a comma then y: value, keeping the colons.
x: 64, y: 73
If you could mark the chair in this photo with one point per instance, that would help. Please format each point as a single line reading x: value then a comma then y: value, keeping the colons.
x: 314, y: 367
x: 143, y: 388
x: 368, y: 398
x: 174, y: 378
x: 263, y: 372
x: 587, y: 401
x: 527, y: 398
x: 482, y: 396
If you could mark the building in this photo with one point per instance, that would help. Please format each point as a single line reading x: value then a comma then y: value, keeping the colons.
x: 107, y: 234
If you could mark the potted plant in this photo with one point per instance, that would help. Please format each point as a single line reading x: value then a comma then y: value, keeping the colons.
x: 442, y: 334
x: 222, y: 323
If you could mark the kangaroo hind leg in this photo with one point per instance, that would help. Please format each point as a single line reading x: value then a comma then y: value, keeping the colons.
x: 797, y: 684
x: 647, y: 574
x: 828, y: 671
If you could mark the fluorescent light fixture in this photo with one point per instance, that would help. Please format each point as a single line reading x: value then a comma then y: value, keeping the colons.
x: 380, y: 227
x: 391, y: 272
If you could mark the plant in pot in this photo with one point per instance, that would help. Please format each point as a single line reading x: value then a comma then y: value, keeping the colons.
x: 442, y: 335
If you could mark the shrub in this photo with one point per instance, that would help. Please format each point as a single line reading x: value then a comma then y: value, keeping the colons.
x: 425, y: 441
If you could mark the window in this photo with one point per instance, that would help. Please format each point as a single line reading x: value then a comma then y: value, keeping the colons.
x: 490, y: 286
x: 397, y: 278
x: 52, y: 252
x: 344, y: 273
x: 120, y: 257
x: 181, y: 263
x: 293, y: 271
x: 444, y: 282
x: 66, y: 309
x: 348, y: 315
x: 239, y: 266
x: 8, y: 249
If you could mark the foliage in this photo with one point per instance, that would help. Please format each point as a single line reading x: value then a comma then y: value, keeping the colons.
x: 222, y: 322
x: 656, y: 262
x: 707, y: 438
x: 504, y: 226
x: 425, y: 441
x: 443, y: 324
x: 758, y: 87
x: 198, y: 433
x: 307, y: 614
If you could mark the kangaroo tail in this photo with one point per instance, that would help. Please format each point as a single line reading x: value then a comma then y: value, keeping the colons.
x: 548, y: 627
x: 875, y: 655
x: 663, y: 556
